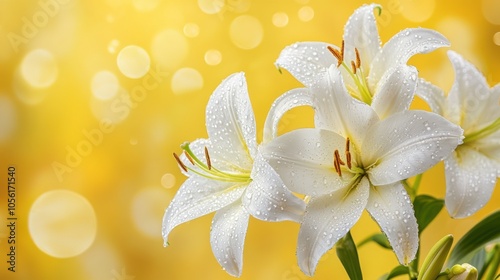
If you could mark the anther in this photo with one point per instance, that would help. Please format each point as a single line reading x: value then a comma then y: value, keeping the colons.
x: 189, y: 158
x: 348, y: 153
x: 358, y: 59
x: 353, y: 66
x: 337, y: 162
x: 342, y: 50
x: 181, y: 164
x: 207, y: 156
x: 336, y: 165
x: 337, y: 157
x: 337, y: 55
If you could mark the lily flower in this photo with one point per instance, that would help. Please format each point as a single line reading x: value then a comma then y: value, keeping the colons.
x: 472, y: 169
x: 354, y: 161
x: 226, y: 174
x: 369, y: 70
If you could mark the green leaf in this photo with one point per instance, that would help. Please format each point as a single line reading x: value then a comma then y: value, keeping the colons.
x: 492, y: 262
x: 426, y: 209
x: 397, y: 271
x: 378, y: 238
x: 348, y: 255
x: 486, y: 231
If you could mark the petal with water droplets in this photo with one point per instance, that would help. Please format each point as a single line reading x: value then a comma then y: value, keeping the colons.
x: 327, y: 219
x: 395, y: 91
x: 361, y: 32
x: 231, y: 122
x: 433, y: 95
x: 390, y: 206
x: 196, y: 197
x: 267, y: 198
x: 306, y: 60
x: 227, y: 237
x: 303, y: 158
x: 470, y: 180
x: 289, y: 100
x: 401, y: 47
x: 406, y: 144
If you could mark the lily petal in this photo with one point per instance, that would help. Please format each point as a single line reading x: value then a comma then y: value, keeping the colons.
x: 490, y: 146
x: 227, y: 237
x: 327, y: 219
x: 470, y: 180
x: 306, y: 60
x: 336, y: 110
x: 395, y: 91
x: 408, y: 143
x: 231, y: 122
x: 300, y: 159
x: 267, y: 198
x: 401, y: 47
x: 469, y: 94
x: 361, y: 32
x: 390, y: 206
x: 284, y: 103
x: 199, y: 196
x: 432, y: 95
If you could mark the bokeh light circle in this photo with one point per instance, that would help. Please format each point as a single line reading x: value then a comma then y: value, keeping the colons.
x: 213, y: 57
x: 496, y: 38
x: 168, y: 180
x: 491, y: 11
x: 280, y: 19
x: 417, y: 11
x: 8, y: 117
x: 104, y: 85
x: 39, y: 68
x: 246, y: 32
x: 306, y: 13
x: 186, y: 80
x: 133, y: 62
x: 148, y: 207
x: 211, y: 6
x: 169, y: 48
x: 62, y: 223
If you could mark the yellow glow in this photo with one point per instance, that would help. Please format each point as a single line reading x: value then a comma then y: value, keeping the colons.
x: 62, y: 223
x: 306, y: 13
x: 491, y: 11
x: 186, y: 80
x: 417, y: 11
x: 169, y: 48
x: 213, y: 57
x: 191, y: 30
x: 8, y: 117
x: 104, y: 85
x: 280, y: 19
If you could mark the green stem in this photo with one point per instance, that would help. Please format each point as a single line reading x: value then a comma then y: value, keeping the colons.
x: 494, y: 263
x: 491, y: 128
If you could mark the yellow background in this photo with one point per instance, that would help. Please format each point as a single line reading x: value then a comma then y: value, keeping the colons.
x: 123, y: 181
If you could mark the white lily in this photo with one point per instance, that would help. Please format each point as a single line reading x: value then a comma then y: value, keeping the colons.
x: 352, y: 161
x: 228, y: 175
x: 369, y: 70
x: 472, y: 170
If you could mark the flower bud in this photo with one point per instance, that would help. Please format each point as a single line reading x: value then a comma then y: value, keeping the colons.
x: 434, y: 261
x: 463, y: 272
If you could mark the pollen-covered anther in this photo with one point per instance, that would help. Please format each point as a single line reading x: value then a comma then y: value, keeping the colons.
x: 353, y: 67
x: 337, y: 156
x: 181, y: 164
x: 189, y: 158
x: 336, y: 162
x: 348, y: 153
x: 207, y: 156
x: 337, y: 55
x: 358, y: 58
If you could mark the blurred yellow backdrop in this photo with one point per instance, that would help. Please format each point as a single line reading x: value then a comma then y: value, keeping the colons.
x: 96, y: 95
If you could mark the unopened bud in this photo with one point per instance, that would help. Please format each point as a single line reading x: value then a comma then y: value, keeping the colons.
x: 434, y: 261
x: 463, y: 272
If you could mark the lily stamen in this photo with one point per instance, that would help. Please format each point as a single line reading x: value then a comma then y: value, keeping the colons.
x: 189, y: 158
x: 337, y: 55
x: 342, y: 50
x: 207, y: 156
x: 358, y: 58
x: 348, y: 153
x: 353, y: 66
x: 337, y: 157
x: 181, y: 164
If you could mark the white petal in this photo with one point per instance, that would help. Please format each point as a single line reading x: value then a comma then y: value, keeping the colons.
x: 390, y: 206
x: 406, y: 144
x: 284, y: 103
x: 470, y: 180
x: 401, y: 47
x: 196, y: 197
x: 433, y: 95
x: 267, y: 198
x: 303, y: 158
x: 227, y: 237
x: 469, y: 96
x: 231, y: 122
x: 490, y: 145
x: 306, y: 60
x: 361, y: 32
x: 327, y: 219
x: 336, y: 110
x: 395, y: 91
